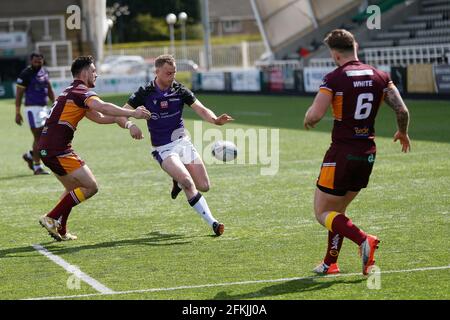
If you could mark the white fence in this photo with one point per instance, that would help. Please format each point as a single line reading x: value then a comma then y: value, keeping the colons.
x: 397, y: 56
x: 402, y: 56
x: 239, y: 55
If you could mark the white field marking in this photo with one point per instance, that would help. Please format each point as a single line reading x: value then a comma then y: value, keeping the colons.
x: 74, y: 270
x: 236, y: 283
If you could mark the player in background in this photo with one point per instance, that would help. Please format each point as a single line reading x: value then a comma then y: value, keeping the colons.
x: 355, y: 92
x: 34, y: 82
x: 75, y: 103
x: 164, y: 98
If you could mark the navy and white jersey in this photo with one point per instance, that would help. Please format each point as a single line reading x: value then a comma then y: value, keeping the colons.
x: 166, y: 107
x: 36, y: 84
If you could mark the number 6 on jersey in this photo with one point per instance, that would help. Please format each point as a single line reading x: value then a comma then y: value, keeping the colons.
x: 363, y: 108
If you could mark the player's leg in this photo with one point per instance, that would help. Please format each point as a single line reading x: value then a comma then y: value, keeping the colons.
x: 37, y: 167
x: 199, y: 174
x: 177, y: 170
x: 336, y: 222
x: 79, y: 183
x: 194, y: 164
x: 36, y: 116
x: 326, y: 208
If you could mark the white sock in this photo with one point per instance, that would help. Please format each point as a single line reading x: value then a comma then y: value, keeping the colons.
x: 37, y: 166
x: 29, y: 155
x: 199, y: 204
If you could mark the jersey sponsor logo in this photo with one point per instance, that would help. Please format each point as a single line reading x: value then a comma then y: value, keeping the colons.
x: 361, y: 132
x: 356, y: 73
x: 154, y: 116
x: 164, y: 104
x: 334, y: 253
x: 168, y: 115
x: 335, y: 243
x: 369, y: 159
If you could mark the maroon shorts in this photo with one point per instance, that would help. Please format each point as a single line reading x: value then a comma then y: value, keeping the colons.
x: 63, y: 164
x: 345, y: 170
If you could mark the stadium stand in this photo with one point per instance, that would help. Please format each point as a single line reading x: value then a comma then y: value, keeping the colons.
x: 419, y: 33
x: 428, y: 26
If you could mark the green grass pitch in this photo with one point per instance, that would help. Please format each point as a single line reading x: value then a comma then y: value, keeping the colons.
x: 133, y: 237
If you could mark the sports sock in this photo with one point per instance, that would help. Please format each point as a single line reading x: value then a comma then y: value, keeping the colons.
x: 338, y: 223
x: 334, y: 247
x: 199, y: 204
x: 29, y: 154
x: 63, y: 208
x: 36, y: 166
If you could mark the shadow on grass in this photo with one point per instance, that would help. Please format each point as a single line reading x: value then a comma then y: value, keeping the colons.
x: 152, y: 239
x: 16, y: 177
x: 294, y: 286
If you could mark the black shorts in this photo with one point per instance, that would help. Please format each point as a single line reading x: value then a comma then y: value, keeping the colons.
x: 345, y: 170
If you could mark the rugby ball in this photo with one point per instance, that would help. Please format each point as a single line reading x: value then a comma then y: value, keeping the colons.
x: 224, y: 150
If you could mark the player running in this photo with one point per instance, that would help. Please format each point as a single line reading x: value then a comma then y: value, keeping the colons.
x: 355, y: 92
x: 75, y: 103
x: 165, y: 98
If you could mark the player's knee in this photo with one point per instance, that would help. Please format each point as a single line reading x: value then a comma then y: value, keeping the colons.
x: 187, y: 183
x: 91, y: 190
x: 320, y: 217
x: 204, y: 186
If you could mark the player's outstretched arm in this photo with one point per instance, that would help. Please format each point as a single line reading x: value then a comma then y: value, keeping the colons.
x: 123, y: 122
x: 317, y: 110
x: 110, y: 109
x: 394, y: 100
x: 209, y: 116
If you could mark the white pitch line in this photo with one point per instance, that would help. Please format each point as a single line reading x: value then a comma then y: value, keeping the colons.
x: 74, y: 270
x: 235, y: 283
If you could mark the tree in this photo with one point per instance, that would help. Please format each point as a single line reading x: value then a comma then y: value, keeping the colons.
x: 145, y: 12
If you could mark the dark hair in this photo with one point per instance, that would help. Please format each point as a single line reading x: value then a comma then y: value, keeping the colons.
x: 340, y: 40
x: 81, y: 63
x: 165, y: 58
x: 36, y: 54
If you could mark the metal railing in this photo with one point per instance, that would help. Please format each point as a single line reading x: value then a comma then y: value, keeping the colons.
x: 243, y: 54
x: 32, y: 24
x: 404, y: 55
x: 397, y: 56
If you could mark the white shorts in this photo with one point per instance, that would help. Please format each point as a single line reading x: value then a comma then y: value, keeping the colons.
x: 36, y: 115
x: 182, y: 148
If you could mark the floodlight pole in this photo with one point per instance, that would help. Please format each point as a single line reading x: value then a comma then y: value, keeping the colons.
x: 182, y: 17
x: 206, y: 32
x: 171, y: 19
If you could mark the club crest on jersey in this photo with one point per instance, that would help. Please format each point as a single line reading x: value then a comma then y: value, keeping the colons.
x: 164, y: 104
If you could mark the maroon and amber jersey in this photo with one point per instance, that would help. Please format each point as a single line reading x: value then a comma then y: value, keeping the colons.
x: 69, y: 108
x: 357, y: 90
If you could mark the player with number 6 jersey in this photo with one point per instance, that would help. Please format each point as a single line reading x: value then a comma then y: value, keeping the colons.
x: 355, y: 91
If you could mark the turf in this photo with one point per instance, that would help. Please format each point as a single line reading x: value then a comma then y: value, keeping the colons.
x: 132, y: 236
